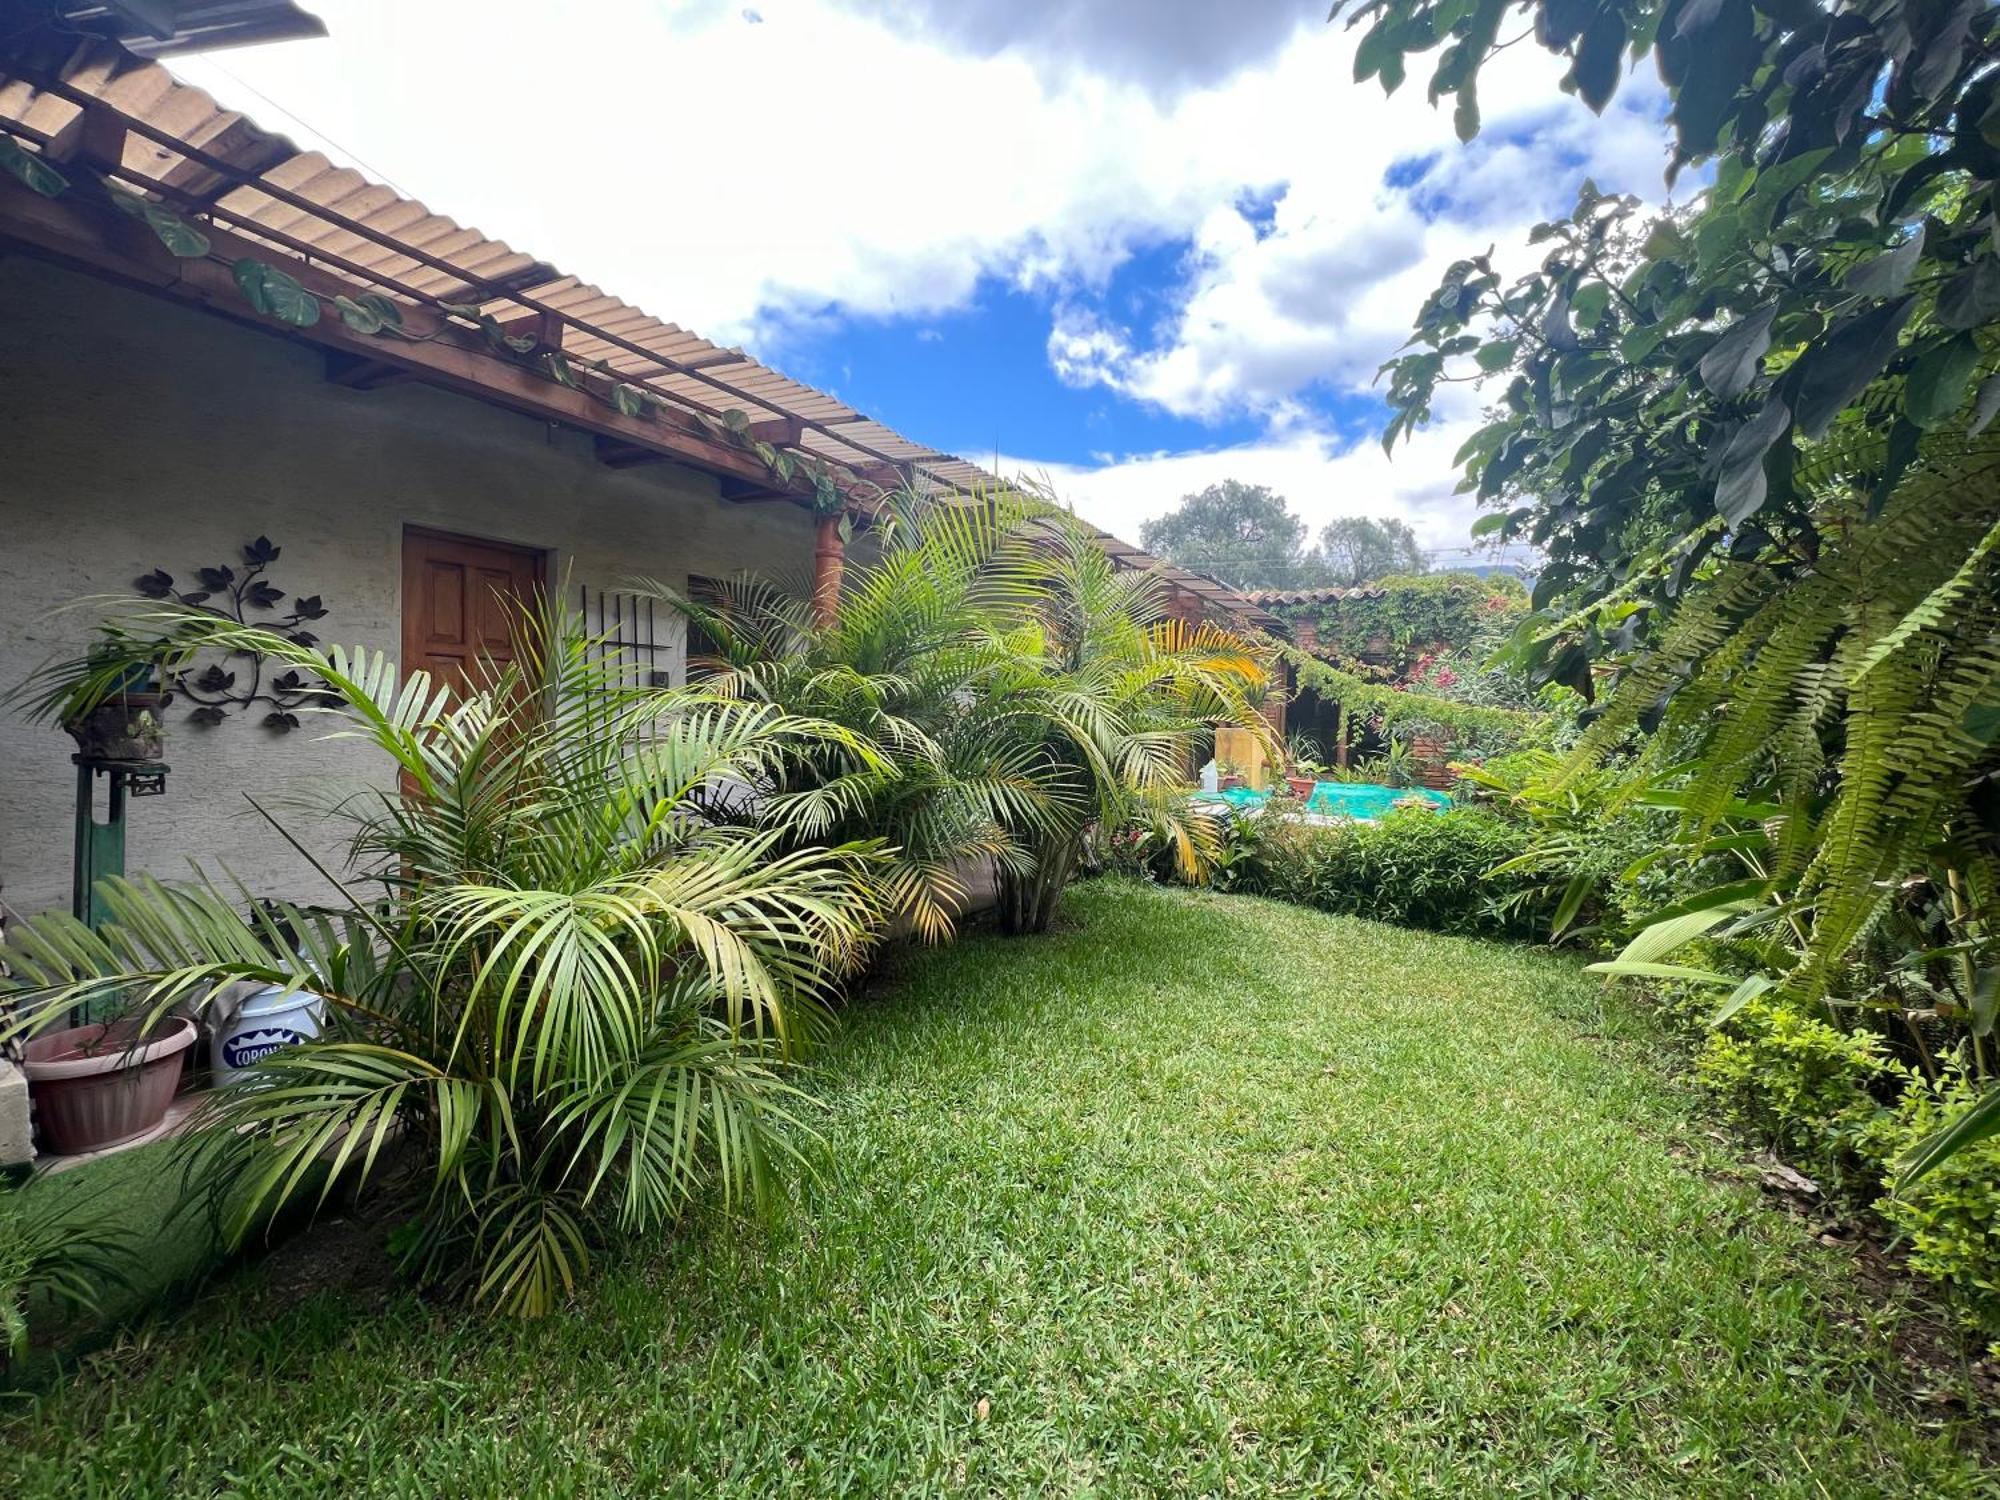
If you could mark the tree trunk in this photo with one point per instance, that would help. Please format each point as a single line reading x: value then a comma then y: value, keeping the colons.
x: 1028, y: 899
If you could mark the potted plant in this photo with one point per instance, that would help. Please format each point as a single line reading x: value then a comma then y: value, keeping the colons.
x: 1232, y: 774
x: 124, y: 725
x: 103, y: 1085
x: 1307, y: 768
x: 108, y: 699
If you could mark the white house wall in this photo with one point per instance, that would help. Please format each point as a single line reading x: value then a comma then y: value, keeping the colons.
x: 137, y: 434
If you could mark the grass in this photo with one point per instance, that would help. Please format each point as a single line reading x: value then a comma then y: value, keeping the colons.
x: 137, y: 1191
x: 1202, y: 1195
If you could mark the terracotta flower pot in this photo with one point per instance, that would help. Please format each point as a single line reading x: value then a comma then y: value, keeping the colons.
x: 1302, y: 786
x: 123, y: 728
x: 99, y: 1086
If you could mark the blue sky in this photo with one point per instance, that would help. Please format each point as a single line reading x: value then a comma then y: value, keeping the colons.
x: 1131, y: 246
x: 976, y: 379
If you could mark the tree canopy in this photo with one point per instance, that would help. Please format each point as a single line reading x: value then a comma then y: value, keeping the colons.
x: 1665, y: 383
x: 1242, y: 534
x: 1246, y: 536
x: 1355, y: 549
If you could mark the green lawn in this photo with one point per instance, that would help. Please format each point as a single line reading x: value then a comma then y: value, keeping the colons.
x: 1203, y: 1195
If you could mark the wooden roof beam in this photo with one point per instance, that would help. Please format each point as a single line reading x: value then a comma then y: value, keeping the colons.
x: 779, y: 432
x: 94, y: 135
x: 439, y: 352
x: 359, y: 373
x: 745, y: 491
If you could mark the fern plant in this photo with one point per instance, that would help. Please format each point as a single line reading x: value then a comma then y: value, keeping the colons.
x: 576, y: 1007
x: 1833, y: 720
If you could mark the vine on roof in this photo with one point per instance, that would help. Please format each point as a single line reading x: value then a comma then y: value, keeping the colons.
x: 1398, y: 620
x: 1470, y: 728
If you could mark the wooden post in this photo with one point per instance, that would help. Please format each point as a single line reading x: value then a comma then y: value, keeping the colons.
x: 829, y: 566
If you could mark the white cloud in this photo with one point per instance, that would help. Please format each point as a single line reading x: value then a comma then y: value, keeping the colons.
x: 734, y: 175
x: 1162, y: 44
x: 1323, y: 476
x: 1326, y: 290
x: 819, y: 163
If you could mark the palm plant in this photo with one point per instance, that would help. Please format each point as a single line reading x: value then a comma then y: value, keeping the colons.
x: 47, y: 1254
x: 1112, y: 696
x: 573, y: 1008
x: 933, y: 763
x: 1015, y: 686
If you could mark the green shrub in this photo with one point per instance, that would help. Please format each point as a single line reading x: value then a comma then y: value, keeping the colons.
x: 1949, y: 1219
x: 1415, y: 868
x: 1591, y: 845
x: 1796, y: 1081
x: 1168, y: 839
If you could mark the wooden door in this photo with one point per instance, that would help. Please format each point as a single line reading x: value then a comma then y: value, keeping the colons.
x: 462, y: 602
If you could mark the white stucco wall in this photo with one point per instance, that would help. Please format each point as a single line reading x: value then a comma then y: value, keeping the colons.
x: 135, y: 433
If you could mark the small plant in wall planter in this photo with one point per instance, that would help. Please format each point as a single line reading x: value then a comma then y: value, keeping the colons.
x: 113, y: 713
x: 112, y: 696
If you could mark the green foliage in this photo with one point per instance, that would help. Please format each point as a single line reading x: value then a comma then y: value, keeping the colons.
x: 276, y: 294
x: 181, y: 238
x: 1243, y: 534
x: 1794, y: 1079
x: 1950, y: 1221
x: 574, y: 1007
x: 1414, y: 868
x: 1844, y: 697
x: 1354, y: 550
x: 1664, y: 382
x: 1005, y: 686
x: 1121, y: 697
x: 1164, y: 837
x: 1591, y: 849
x: 50, y: 1258
x: 1470, y: 729
x: 1396, y: 622
x: 29, y: 168
x: 934, y: 764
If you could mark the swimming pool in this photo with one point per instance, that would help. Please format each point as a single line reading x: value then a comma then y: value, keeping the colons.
x: 1338, y: 799
x: 1365, y: 799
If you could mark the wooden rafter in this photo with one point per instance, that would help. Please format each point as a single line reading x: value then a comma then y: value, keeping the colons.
x: 438, y: 351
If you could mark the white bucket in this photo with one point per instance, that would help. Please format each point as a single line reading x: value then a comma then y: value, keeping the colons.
x: 268, y: 1018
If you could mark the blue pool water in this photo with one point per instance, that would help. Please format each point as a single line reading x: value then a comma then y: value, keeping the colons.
x: 1364, y: 799
x: 1340, y: 799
